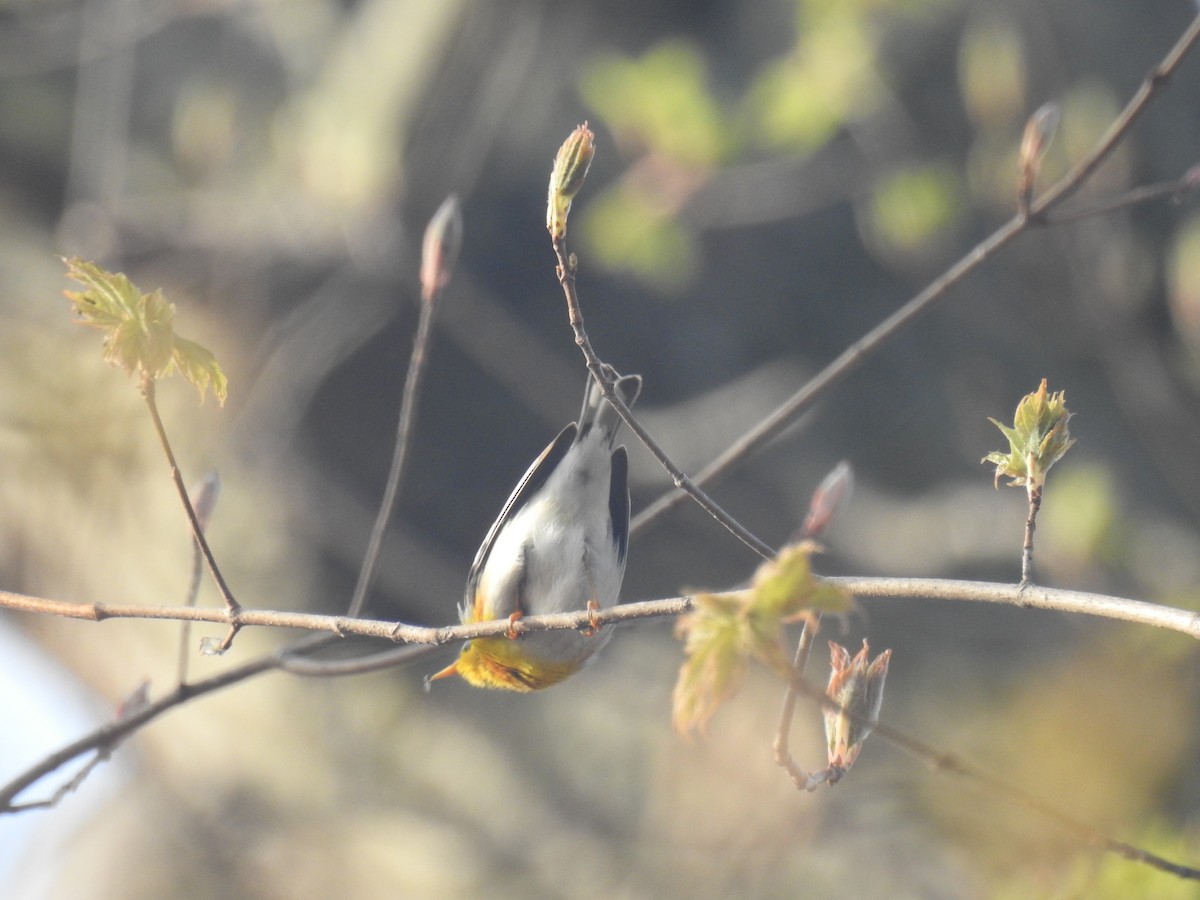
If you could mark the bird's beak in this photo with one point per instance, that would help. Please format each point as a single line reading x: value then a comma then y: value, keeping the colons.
x: 447, y: 672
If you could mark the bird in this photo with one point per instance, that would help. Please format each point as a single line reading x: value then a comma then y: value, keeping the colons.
x: 558, y: 545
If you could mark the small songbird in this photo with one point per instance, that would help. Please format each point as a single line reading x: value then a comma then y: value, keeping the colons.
x: 558, y: 546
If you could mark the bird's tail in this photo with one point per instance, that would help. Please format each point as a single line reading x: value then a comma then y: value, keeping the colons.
x: 598, y: 412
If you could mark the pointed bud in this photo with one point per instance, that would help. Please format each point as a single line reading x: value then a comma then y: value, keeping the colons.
x: 204, y: 494
x: 857, y: 687
x: 830, y: 496
x: 570, y: 168
x: 439, y: 249
x: 1039, y: 131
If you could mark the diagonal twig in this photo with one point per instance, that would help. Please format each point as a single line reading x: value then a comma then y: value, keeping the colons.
x: 206, y: 498
x: 147, y: 389
x: 948, y: 762
x: 566, y: 278
x: 857, y: 353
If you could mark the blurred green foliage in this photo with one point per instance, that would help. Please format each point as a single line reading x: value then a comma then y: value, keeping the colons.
x: 626, y: 229
x: 661, y: 103
x: 795, y: 103
x: 991, y: 70
x: 1078, y: 523
x: 675, y: 132
x: 1183, y: 290
x: 910, y: 208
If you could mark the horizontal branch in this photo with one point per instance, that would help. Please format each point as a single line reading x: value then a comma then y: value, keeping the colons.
x: 344, y: 626
x: 1029, y: 596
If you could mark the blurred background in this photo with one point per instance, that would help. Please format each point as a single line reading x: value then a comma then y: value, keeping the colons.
x: 771, y: 180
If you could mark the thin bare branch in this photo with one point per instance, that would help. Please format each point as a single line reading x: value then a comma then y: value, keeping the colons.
x: 1035, y: 504
x: 438, y: 257
x: 358, y: 665
x: 1030, y: 596
x: 948, y: 762
x: 206, y: 491
x: 830, y: 496
x: 566, y: 278
x: 101, y: 754
x: 1176, y: 191
x: 147, y: 388
x: 408, y: 403
x: 106, y: 738
x: 847, y: 362
x: 343, y: 626
x: 1154, y: 81
x: 803, y: 779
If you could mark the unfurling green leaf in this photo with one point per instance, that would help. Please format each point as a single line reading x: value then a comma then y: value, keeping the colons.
x: 1039, y: 438
x: 786, y: 590
x: 137, y: 326
x: 200, y: 367
x: 725, y: 630
x: 139, y: 332
x: 785, y: 587
x: 716, y: 659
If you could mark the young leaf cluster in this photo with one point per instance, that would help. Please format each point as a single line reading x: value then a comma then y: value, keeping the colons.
x: 1039, y: 438
x: 725, y: 631
x: 139, y: 330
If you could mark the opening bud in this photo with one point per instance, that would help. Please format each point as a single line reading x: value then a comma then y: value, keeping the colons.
x: 856, y: 685
x: 570, y: 169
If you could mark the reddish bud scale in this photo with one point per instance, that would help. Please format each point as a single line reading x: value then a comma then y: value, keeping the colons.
x: 856, y: 685
x: 440, y: 247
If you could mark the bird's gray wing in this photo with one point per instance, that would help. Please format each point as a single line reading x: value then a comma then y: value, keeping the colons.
x: 533, y: 479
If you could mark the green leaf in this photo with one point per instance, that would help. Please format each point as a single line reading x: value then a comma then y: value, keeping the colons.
x: 716, y: 660
x: 139, y: 329
x: 785, y: 586
x: 145, y: 340
x: 725, y: 630
x: 201, y: 368
x: 785, y: 589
